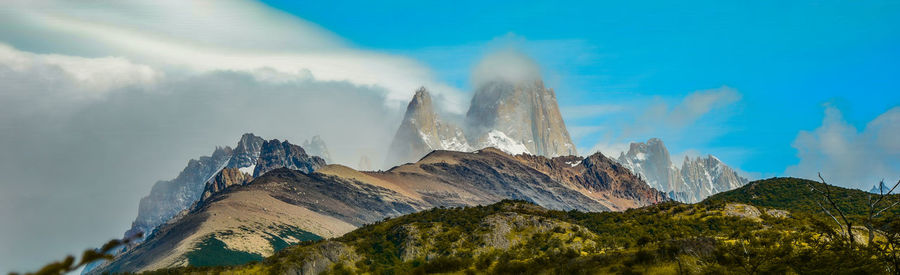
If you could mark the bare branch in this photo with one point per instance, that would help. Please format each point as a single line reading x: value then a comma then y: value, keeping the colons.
x: 832, y: 202
x: 881, y: 189
x: 886, y: 208
x: 829, y: 214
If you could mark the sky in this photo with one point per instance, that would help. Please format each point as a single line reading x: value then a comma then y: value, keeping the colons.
x: 100, y: 99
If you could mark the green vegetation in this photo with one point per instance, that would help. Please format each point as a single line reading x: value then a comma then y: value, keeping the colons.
x: 278, y: 241
x: 736, y: 232
x: 795, y: 195
x: 212, y: 252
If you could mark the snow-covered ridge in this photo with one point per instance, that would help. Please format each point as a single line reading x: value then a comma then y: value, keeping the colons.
x: 695, y: 180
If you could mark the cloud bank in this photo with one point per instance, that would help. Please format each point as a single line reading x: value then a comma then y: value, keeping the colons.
x: 102, y: 99
x: 849, y: 157
x: 207, y: 36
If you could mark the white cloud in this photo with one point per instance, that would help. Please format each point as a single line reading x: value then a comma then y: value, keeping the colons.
x: 589, y: 111
x: 847, y: 157
x: 59, y: 150
x: 237, y: 35
x: 84, y: 77
x: 505, y: 65
x: 692, y: 121
x: 700, y: 103
x: 578, y: 132
x: 102, y: 99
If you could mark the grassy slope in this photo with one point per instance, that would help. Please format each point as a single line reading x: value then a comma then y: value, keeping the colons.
x: 795, y: 195
x: 666, y: 238
x: 213, y: 252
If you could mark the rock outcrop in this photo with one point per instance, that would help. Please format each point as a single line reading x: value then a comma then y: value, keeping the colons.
x: 277, y: 154
x: 246, y: 153
x: 226, y: 178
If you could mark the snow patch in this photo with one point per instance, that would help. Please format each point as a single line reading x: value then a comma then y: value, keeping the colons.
x: 640, y: 156
x: 503, y: 142
x: 248, y: 170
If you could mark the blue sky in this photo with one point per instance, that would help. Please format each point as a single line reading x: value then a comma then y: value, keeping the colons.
x: 787, y: 60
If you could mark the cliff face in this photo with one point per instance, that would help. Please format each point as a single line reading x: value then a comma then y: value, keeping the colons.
x: 226, y: 178
x: 421, y: 131
x: 651, y: 160
x: 526, y: 114
x: 245, y: 153
x: 167, y: 198
x: 709, y: 176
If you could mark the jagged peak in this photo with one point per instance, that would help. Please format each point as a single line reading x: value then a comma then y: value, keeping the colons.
x: 246, y: 137
x: 222, y: 150
x: 317, y: 146
x: 421, y: 92
x: 421, y: 102
x: 636, y: 149
x: 286, y: 144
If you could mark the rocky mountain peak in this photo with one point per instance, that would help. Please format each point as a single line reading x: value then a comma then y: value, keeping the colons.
x: 226, y: 178
x: 652, y: 161
x: 516, y: 115
x: 420, y: 104
x: 697, y: 178
x: 246, y: 152
x: 168, y: 197
x: 526, y: 112
x: 277, y: 154
x: 881, y: 188
x: 316, y: 147
x: 421, y: 131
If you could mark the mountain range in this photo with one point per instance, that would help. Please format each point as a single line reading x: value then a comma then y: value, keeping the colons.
x: 242, y: 220
x: 252, y: 156
x: 246, y: 203
x: 757, y: 228
x: 695, y: 180
x: 517, y: 118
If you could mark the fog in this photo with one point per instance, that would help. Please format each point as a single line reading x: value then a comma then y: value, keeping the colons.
x: 100, y: 101
x: 506, y: 64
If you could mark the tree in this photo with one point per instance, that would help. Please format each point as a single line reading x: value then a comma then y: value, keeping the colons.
x: 829, y: 200
x: 875, y: 207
